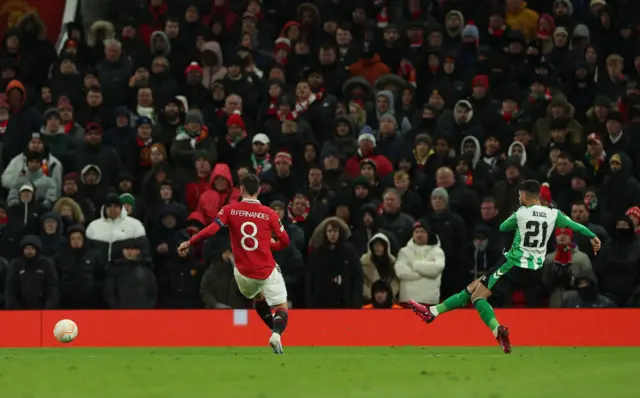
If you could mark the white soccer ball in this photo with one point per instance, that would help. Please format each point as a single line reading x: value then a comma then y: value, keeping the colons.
x: 65, y: 331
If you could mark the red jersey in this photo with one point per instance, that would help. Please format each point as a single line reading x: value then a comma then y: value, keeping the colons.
x: 250, y: 225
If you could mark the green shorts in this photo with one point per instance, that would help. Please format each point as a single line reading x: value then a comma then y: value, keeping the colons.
x: 495, y: 273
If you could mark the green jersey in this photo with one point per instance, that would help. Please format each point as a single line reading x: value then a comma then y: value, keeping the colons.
x: 533, y: 227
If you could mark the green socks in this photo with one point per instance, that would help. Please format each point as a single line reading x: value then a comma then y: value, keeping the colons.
x: 459, y: 300
x: 486, y: 314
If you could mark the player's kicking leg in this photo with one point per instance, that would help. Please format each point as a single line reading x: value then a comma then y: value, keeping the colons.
x: 459, y: 300
x: 264, y: 310
x: 275, y: 293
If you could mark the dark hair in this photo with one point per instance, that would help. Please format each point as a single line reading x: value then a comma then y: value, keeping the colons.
x: 251, y: 184
x: 95, y: 89
x: 531, y: 187
x: 580, y: 203
x: 566, y: 155
x: 171, y: 19
x: 490, y: 199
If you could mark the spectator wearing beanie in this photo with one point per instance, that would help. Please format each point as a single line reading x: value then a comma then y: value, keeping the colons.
x: 71, y: 128
x: 367, y: 150
x: 23, y: 119
x: 235, y: 146
x: 222, y: 192
x: 420, y: 266
x: 201, y: 182
x: 191, y: 138
x: 23, y: 217
x: 286, y: 181
x: 93, y: 151
x: 109, y: 233
x: 46, y: 190
x: 170, y: 121
x: 139, y: 159
x: 51, y: 166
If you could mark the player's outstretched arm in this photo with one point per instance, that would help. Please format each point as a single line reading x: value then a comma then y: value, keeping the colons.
x: 509, y: 224
x: 562, y: 221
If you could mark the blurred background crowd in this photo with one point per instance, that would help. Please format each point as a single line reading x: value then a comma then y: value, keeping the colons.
x: 390, y: 136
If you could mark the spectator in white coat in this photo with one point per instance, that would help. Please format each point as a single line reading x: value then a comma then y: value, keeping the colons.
x: 114, y: 228
x: 419, y: 267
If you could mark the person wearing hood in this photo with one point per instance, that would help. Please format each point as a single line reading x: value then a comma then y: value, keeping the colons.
x: 212, y: 61
x: 620, y: 189
x: 70, y: 213
x: 130, y: 282
x: 425, y: 121
x: 559, y: 107
x: 420, y: 266
x: 369, y: 65
x: 41, y: 52
x: 17, y: 167
x: 561, y: 267
x: 581, y: 91
x: 461, y: 123
x: 51, y: 233
x: 518, y: 150
x: 32, y: 280
x: 382, y: 296
x: 386, y: 105
x: 488, y: 244
x: 391, y: 144
x: 222, y: 193
x: 22, y: 218
x: 378, y: 265
x: 81, y: 271
x: 617, y: 263
x: 366, y: 227
x: 66, y: 79
x: 588, y: 294
x: 334, y: 275
x: 46, y: 190
x: 454, y: 240
x: 477, y: 174
x: 109, y: 232
x: 343, y: 139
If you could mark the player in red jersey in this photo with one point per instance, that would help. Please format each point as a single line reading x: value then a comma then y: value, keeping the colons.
x: 258, y: 276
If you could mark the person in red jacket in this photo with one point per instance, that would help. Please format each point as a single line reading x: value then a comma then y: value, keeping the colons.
x: 222, y: 193
x: 366, y: 150
x: 201, y: 183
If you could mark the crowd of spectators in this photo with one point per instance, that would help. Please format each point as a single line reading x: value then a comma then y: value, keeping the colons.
x: 389, y: 135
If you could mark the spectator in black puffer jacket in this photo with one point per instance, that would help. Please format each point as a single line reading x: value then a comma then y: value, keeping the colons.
x: 130, y: 282
x: 32, y: 280
x: 81, y: 271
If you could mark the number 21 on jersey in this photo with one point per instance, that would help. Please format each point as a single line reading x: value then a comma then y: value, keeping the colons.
x: 532, y: 238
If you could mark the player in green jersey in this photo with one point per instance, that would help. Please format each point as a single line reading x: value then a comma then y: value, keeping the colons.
x: 533, y: 225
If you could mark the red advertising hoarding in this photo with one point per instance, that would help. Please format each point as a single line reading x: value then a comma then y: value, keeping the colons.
x: 165, y: 328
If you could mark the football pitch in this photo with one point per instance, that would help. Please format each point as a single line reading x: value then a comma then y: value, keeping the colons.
x: 320, y: 372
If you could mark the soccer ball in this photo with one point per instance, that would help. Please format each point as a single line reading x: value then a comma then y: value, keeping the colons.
x: 65, y: 331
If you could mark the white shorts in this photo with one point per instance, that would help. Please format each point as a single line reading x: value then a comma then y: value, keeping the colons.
x: 273, y: 288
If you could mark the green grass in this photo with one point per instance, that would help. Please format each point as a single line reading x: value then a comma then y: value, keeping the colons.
x: 406, y: 372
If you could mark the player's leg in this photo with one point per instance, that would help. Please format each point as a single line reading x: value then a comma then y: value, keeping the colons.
x: 250, y: 288
x: 275, y: 294
x: 264, y: 310
x: 458, y: 300
x: 479, y: 298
